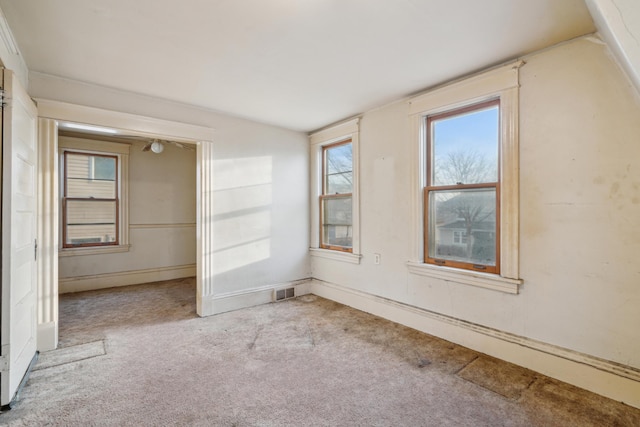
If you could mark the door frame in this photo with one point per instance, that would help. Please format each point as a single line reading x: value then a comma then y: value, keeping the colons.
x: 50, y: 113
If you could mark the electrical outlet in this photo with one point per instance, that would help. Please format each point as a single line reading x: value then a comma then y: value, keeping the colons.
x: 376, y: 259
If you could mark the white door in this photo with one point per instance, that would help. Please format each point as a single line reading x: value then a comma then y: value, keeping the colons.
x: 19, y: 247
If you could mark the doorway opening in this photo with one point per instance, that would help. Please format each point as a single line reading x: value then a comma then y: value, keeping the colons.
x: 166, y: 171
x: 127, y: 208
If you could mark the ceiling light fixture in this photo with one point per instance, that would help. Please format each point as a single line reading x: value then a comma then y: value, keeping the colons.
x: 157, y: 147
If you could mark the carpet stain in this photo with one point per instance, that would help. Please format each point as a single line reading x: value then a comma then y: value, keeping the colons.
x: 504, y: 378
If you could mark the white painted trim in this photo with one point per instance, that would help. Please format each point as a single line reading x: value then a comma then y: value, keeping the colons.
x: 230, y: 301
x: 47, y: 234
x: 341, y: 132
x: 177, y: 225
x: 335, y: 132
x: 93, y: 250
x: 509, y: 185
x: 467, y: 277
x: 84, y: 144
x: 459, y: 93
x: 128, y: 123
x: 204, y: 230
x: 610, y: 379
x: 10, y: 54
x: 125, y: 278
x: 47, y: 336
x: 335, y: 255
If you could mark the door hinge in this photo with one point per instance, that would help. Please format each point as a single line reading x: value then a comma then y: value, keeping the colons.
x: 35, y: 250
x: 2, y: 103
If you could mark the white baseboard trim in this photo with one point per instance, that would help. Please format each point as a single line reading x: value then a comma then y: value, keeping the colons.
x: 47, y: 336
x: 124, y: 278
x: 610, y: 379
x: 230, y: 301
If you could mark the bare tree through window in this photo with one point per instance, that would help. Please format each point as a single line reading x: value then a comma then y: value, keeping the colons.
x: 461, y: 195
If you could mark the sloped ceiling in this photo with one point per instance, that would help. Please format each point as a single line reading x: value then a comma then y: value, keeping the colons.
x: 619, y: 23
x: 299, y: 64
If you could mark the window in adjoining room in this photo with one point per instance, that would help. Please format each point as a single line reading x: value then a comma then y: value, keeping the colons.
x: 461, y: 195
x: 94, y: 196
x: 90, y: 200
x: 336, y: 199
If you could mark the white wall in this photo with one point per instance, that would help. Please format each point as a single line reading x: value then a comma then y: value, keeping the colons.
x: 580, y: 204
x: 261, y: 212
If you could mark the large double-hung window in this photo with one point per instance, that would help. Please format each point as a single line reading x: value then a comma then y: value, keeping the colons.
x: 461, y: 195
x: 466, y: 181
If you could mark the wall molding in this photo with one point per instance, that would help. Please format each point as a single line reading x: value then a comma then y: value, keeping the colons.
x: 124, y: 122
x: 47, y: 234
x: 125, y: 278
x: 245, y: 298
x: 145, y: 226
x: 610, y: 379
x: 47, y: 336
x: 10, y: 54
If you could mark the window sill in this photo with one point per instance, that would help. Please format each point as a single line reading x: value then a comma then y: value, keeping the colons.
x: 93, y: 250
x: 335, y: 255
x: 473, y: 278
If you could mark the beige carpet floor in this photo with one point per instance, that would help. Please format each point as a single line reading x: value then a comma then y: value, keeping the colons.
x: 139, y: 356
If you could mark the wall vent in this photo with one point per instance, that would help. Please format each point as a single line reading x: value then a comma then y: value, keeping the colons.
x: 283, y: 294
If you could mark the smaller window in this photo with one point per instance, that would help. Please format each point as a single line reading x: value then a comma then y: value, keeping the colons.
x: 460, y: 237
x: 90, y: 202
x: 335, y: 201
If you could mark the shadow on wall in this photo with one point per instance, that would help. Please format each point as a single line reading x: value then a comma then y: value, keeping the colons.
x: 242, y: 212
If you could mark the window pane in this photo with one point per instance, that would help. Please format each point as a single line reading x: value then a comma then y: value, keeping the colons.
x: 336, y: 222
x: 104, y: 168
x: 91, y: 176
x: 338, y: 169
x: 462, y: 226
x: 465, y: 147
x: 90, y: 221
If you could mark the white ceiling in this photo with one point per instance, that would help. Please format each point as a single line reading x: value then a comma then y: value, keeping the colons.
x: 299, y: 64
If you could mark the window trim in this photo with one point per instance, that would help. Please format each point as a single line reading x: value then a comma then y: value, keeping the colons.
x: 335, y: 134
x: 502, y: 83
x: 100, y: 148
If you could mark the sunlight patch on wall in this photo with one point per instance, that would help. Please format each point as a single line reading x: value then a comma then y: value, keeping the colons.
x: 242, y: 212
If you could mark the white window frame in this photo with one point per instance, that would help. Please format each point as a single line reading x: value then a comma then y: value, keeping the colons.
x: 121, y: 151
x: 318, y: 140
x: 501, y: 82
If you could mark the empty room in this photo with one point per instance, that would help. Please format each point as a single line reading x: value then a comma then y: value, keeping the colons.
x: 320, y: 213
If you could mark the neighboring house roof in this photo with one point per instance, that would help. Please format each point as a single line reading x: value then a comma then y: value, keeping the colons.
x: 487, y: 225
